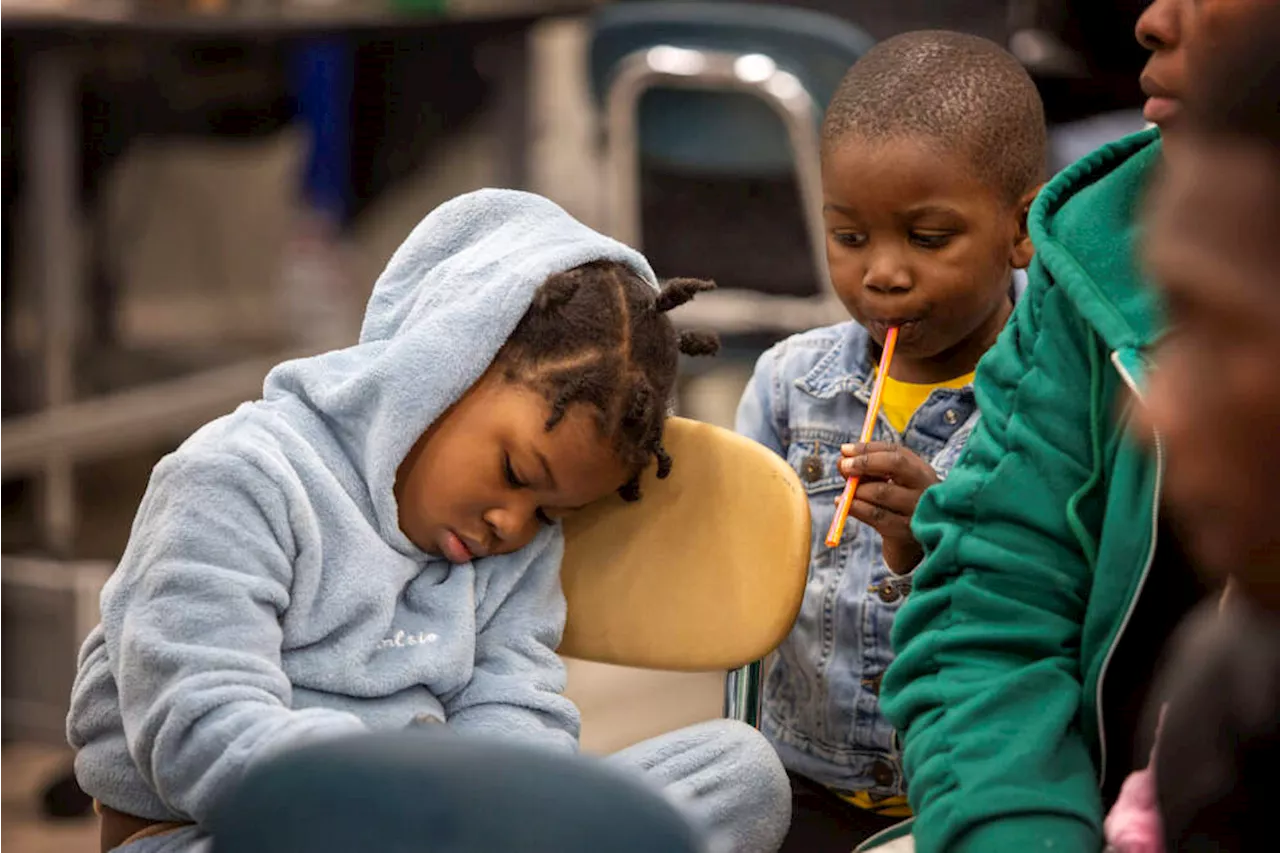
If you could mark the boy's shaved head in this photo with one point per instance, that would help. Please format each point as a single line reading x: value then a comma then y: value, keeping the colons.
x: 958, y: 90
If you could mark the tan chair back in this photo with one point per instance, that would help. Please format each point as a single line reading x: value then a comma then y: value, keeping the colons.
x: 704, y: 572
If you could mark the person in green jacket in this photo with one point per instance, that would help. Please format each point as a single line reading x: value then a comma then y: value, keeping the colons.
x: 1050, y: 582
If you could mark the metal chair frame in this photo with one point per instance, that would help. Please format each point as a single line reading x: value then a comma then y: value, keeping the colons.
x: 755, y: 74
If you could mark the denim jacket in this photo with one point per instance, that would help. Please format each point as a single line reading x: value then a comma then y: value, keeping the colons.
x: 807, y: 397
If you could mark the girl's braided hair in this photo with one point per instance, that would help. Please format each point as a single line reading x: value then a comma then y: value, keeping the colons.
x: 598, y: 334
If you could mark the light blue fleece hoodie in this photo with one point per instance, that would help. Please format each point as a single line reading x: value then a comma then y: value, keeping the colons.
x: 268, y: 597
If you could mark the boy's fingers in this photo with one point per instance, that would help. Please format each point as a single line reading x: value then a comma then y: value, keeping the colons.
x: 883, y: 464
x: 893, y: 497
x: 858, y: 448
x: 888, y: 524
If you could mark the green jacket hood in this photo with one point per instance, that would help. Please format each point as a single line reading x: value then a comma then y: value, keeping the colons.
x: 1085, y: 229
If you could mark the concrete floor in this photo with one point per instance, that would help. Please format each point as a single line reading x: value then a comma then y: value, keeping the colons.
x: 195, y: 274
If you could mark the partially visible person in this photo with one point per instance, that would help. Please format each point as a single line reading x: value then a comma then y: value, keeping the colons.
x: 1214, y: 397
x: 1051, y: 581
x: 1214, y: 402
x: 932, y: 150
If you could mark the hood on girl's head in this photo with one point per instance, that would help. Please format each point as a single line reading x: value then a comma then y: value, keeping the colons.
x: 448, y: 300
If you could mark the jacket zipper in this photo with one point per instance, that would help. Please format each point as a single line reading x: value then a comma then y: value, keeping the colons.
x: 1142, y: 580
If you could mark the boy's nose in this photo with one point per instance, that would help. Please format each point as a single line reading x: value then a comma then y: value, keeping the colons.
x: 886, y: 273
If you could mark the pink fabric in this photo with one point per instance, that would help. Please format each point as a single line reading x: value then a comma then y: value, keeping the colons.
x: 1133, y: 825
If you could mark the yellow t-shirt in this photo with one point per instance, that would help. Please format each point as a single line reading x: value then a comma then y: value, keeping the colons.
x: 886, y: 807
x: 901, y: 399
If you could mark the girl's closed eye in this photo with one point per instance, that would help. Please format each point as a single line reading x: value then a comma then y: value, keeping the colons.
x: 514, y: 480
x: 509, y: 471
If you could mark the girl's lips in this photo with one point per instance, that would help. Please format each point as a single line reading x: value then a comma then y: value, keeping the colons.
x: 454, y: 549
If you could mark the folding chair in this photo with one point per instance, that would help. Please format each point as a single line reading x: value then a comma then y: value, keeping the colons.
x: 706, y: 571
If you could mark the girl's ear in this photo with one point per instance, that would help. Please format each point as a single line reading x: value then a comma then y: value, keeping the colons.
x: 1022, y: 251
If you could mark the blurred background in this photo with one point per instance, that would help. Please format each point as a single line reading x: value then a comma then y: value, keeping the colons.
x: 194, y: 190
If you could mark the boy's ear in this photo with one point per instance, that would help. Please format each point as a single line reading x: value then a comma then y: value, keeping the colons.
x: 1020, y: 257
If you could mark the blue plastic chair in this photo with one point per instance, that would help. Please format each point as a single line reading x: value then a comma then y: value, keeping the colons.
x: 728, y: 89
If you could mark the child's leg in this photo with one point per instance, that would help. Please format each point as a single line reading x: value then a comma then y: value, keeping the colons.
x: 726, y: 776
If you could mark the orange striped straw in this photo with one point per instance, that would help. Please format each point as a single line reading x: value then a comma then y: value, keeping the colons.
x: 836, y: 531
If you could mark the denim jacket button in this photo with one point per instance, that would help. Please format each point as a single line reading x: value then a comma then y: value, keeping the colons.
x: 811, y: 468
x: 883, y: 774
x: 888, y: 591
x: 873, y: 684
x: 951, y: 417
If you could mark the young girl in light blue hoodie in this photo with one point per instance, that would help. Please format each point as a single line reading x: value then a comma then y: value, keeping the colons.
x: 374, y: 544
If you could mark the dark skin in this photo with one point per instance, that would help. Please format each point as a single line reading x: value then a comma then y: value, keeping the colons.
x: 1214, y: 396
x: 487, y: 475
x: 916, y: 239
x: 1162, y: 29
x: 1178, y: 33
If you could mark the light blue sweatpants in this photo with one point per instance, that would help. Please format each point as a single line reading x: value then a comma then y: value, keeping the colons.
x: 726, y: 777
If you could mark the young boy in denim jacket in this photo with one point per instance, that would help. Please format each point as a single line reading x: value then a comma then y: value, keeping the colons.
x: 932, y: 150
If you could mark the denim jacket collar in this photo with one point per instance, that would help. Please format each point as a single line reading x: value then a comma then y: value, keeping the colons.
x: 845, y: 368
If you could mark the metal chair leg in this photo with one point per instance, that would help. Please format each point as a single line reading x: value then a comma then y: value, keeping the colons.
x: 742, y: 694
x: 52, y: 170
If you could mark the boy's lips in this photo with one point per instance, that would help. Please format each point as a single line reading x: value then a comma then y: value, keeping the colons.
x: 907, y: 327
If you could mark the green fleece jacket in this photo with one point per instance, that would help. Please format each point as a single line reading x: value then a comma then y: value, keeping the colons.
x: 1038, y: 541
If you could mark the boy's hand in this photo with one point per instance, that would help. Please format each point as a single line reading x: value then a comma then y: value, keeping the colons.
x: 891, y: 480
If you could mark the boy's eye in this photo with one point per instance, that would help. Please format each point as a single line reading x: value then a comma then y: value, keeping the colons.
x: 931, y: 239
x: 510, y: 473
x: 851, y: 239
